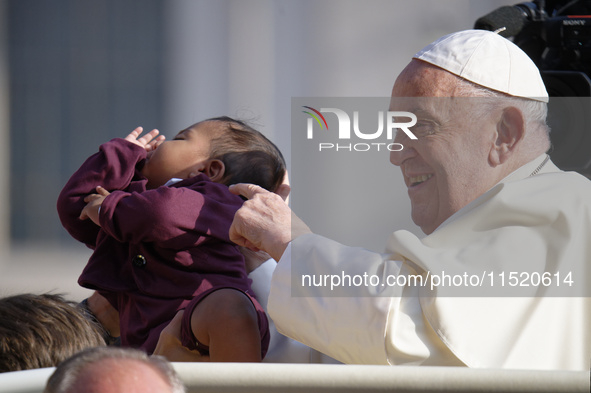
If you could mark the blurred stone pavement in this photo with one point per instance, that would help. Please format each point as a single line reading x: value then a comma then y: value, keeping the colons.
x: 37, y: 269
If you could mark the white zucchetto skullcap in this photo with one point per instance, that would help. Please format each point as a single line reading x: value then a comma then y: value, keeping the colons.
x: 489, y: 60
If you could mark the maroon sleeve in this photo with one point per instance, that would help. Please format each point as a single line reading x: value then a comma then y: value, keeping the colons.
x: 167, y: 215
x: 113, y: 168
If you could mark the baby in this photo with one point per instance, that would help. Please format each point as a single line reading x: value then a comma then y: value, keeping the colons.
x: 157, y: 215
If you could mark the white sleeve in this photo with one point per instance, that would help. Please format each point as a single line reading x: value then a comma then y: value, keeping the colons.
x: 362, y: 320
x: 282, y: 349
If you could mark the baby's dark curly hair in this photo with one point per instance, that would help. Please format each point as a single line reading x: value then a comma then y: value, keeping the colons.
x: 248, y: 156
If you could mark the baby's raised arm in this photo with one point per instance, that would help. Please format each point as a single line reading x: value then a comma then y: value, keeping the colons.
x: 113, y: 167
x: 149, y: 141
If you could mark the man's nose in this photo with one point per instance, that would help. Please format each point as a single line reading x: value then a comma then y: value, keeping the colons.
x: 407, y: 151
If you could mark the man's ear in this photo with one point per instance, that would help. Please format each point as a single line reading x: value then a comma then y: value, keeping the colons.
x: 214, y: 169
x: 510, y: 131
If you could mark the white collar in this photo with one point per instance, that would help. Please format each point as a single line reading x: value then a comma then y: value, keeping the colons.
x: 172, y: 181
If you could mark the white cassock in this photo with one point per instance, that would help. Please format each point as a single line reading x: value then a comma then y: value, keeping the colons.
x: 517, y: 295
x: 282, y: 349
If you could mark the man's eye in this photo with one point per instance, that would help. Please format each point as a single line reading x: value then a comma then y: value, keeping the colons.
x: 423, y: 128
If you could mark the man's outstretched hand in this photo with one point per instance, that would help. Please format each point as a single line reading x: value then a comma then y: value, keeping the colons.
x: 265, y: 222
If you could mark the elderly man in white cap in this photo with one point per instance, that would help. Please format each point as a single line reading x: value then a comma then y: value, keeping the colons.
x: 489, y: 199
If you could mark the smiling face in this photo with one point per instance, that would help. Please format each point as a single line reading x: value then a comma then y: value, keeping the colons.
x: 447, y: 166
x: 183, y: 157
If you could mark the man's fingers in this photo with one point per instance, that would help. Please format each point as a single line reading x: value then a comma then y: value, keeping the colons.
x: 237, y: 238
x: 247, y: 190
x: 252, y: 247
x: 243, y: 242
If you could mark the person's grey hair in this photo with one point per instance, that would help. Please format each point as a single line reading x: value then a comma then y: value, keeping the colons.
x: 67, y: 372
x: 535, y: 112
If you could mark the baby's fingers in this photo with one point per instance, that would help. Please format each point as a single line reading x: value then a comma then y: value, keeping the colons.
x: 83, y: 215
x: 155, y: 143
x: 146, y: 139
x: 91, y: 197
x: 132, y: 137
x: 101, y: 191
x: 149, y: 141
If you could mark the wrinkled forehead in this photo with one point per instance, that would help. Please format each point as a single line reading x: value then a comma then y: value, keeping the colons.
x: 421, y: 79
x: 423, y: 88
x: 429, y: 106
x: 448, y: 111
x: 419, y: 86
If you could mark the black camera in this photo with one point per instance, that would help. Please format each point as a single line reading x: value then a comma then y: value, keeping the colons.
x: 557, y: 37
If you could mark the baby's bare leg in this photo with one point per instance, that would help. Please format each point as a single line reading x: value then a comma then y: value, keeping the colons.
x: 226, y: 321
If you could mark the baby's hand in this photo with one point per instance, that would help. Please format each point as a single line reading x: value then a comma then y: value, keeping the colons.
x: 147, y: 141
x: 93, y: 204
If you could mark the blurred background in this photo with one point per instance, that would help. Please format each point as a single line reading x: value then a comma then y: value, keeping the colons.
x: 76, y: 73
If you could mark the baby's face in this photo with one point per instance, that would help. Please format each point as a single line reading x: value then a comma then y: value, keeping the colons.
x: 182, y: 157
